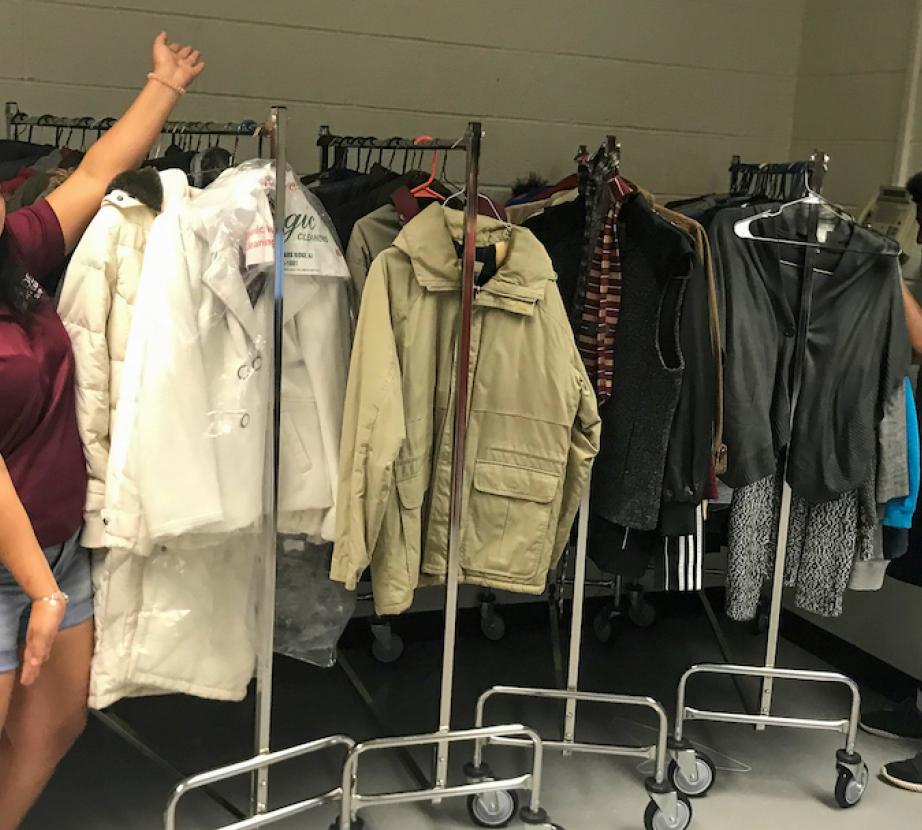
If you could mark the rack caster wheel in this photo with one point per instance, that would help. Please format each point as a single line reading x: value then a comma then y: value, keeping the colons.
x: 655, y: 819
x: 640, y: 611
x: 851, y: 783
x: 495, y: 809
x: 492, y: 625
x: 356, y: 824
x: 698, y: 783
x: 605, y: 623
x: 387, y: 647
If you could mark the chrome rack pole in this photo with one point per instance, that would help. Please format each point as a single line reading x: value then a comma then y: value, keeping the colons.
x: 11, y: 109
x: 774, y: 625
x: 819, y: 165
x: 576, y: 621
x: 259, y: 793
x: 462, y: 390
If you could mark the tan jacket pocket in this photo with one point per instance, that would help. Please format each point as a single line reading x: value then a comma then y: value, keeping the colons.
x: 509, y: 532
x: 411, y: 492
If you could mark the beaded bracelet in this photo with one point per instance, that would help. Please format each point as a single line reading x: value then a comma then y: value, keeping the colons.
x: 177, y: 89
x: 54, y: 599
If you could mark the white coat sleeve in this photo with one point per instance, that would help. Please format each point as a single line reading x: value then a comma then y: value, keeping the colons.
x: 178, y: 472
x: 121, y: 515
x: 324, y: 329
x: 84, y: 307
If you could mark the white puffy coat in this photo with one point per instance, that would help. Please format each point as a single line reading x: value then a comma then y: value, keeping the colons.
x: 96, y: 305
x: 185, y: 509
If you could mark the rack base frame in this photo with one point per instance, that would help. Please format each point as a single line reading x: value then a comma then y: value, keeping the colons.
x: 253, y: 766
x: 490, y: 801
x: 693, y: 773
x: 667, y: 810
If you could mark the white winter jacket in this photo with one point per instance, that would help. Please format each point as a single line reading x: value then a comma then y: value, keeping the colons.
x: 190, y: 455
x: 96, y: 305
x: 196, y: 400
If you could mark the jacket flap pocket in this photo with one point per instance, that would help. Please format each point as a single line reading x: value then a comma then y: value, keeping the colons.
x: 515, y: 482
x: 411, y: 492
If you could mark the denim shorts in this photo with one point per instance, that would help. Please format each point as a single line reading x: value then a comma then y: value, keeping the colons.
x: 70, y: 563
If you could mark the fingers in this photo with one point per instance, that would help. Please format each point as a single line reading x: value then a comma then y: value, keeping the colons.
x: 160, y: 40
x: 36, y: 654
x: 44, y: 623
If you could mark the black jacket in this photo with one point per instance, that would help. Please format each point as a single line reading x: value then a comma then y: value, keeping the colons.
x: 561, y: 229
x: 856, y: 351
x: 688, y: 458
x: 656, y: 260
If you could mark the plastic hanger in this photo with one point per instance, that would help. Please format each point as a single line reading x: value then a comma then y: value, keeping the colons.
x: 744, y: 227
x: 424, y: 190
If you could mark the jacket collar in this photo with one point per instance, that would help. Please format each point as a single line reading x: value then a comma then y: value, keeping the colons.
x: 176, y: 189
x: 428, y: 240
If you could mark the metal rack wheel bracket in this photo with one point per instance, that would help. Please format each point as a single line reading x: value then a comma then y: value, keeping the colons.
x: 688, y: 771
x: 491, y: 802
x: 252, y: 766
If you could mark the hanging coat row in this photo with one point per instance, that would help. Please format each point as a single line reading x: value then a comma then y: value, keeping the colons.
x: 642, y: 302
x: 179, y: 457
x: 816, y: 352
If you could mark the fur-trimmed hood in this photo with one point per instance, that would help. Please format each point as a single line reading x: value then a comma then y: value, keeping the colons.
x: 147, y: 187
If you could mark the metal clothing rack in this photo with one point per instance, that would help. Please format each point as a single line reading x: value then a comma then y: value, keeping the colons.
x: 258, y: 767
x: 693, y: 772
x: 484, y: 795
x: 666, y: 809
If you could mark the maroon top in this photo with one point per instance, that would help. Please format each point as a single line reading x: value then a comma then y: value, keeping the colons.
x: 39, y: 440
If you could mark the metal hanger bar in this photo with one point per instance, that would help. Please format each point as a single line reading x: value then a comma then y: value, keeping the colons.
x: 17, y: 118
x: 327, y: 139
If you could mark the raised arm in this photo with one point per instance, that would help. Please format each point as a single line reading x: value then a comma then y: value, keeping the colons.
x: 124, y: 146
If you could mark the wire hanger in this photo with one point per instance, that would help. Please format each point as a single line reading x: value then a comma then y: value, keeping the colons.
x: 813, y: 176
x: 463, y: 192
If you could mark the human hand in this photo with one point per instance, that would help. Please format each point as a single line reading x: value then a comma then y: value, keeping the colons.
x: 44, y: 624
x: 175, y: 64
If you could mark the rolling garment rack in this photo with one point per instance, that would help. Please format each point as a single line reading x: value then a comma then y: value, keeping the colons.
x: 258, y: 767
x: 667, y: 809
x: 337, y: 152
x: 488, y: 798
x: 692, y: 771
x: 21, y: 125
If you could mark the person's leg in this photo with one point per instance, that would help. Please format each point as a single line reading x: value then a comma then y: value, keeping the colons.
x: 7, y: 681
x: 43, y: 722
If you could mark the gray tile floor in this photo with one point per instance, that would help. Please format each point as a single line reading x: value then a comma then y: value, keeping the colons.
x: 778, y: 779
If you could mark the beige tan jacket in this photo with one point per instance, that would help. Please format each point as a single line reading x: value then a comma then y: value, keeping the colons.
x: 533, y: 428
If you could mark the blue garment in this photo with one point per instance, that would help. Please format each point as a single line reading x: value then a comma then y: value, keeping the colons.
x: 899, y: 512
